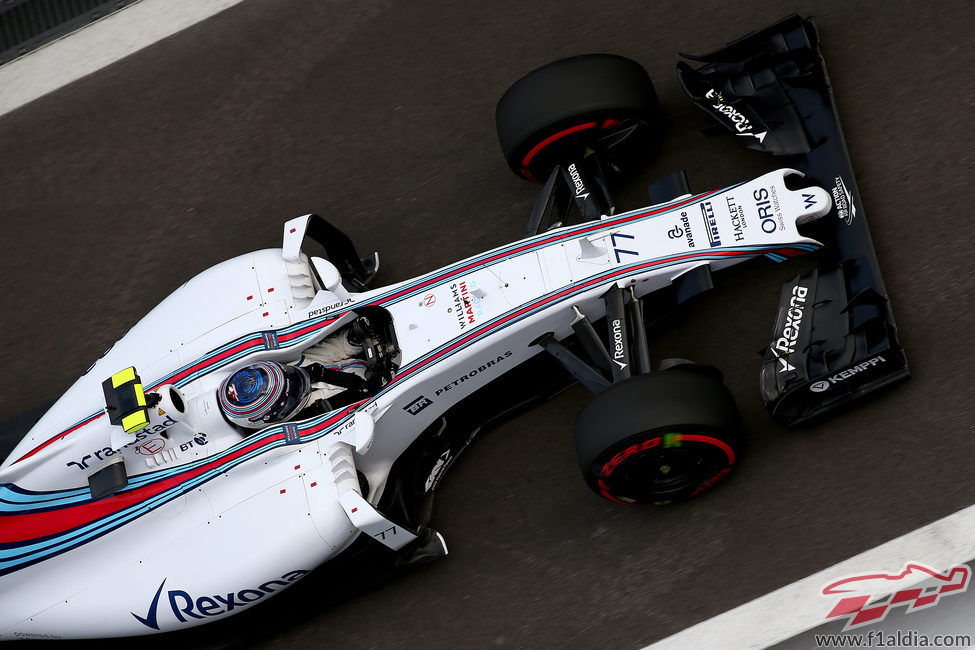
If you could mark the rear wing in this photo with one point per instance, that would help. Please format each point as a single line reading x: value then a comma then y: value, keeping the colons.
x: 834, y: 339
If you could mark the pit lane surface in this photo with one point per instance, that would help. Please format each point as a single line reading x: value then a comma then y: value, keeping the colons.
x: 379, y: 115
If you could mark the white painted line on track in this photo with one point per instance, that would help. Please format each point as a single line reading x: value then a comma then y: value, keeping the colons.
x: 97, y: 45
x: 798, y: 607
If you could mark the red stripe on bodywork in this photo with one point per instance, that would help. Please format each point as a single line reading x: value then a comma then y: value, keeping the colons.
x: 599, y: 225
x: 19, y: 528
x: 57, y: 437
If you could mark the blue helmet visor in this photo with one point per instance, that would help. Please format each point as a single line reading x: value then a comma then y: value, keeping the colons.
x: 264, y: 393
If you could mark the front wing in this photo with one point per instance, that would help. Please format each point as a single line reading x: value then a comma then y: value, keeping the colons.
x: 834, y: 339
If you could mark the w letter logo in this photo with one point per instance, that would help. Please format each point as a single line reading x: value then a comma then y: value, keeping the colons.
x: 808, y: 201
x: 868, y: 597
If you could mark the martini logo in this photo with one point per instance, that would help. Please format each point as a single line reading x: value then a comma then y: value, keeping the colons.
x: 867, y: 597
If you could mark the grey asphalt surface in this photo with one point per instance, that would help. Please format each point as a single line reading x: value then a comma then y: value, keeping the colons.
x: 379, y: 115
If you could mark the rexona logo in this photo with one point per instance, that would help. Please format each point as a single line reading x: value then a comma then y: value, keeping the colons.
x: 843, y: 375
x: 738, y: 121
x: 437, y: 472
x: 619, y: 351
x: 867, y: 597
x: 582, y: 192
x: 785, y: 344
x: 186, y: 606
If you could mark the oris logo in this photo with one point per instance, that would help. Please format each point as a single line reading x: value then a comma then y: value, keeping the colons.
x: 763, y: 204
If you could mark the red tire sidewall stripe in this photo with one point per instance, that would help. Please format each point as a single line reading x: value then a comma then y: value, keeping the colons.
x: 653, y: 443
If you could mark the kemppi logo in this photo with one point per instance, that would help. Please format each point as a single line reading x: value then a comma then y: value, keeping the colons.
x: 843, y: 375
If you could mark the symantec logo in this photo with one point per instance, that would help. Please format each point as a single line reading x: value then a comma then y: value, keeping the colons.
x: 866, y: 598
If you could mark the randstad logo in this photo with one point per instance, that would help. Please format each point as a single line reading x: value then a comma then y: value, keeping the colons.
x: 867, y: 597
x: 186, y: 607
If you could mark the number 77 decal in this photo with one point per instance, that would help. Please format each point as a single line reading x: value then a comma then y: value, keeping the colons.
x: 621, y: 251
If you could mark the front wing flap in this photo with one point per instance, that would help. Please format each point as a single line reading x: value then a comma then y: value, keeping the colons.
x: 834, y: 338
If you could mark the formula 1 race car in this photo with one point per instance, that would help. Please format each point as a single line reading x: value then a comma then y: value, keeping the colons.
x: 143, y: 453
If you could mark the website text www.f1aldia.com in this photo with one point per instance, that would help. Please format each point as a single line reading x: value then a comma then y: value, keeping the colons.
x: 895, y: 639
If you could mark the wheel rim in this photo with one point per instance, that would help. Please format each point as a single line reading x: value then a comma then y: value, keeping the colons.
x: 663, y: 468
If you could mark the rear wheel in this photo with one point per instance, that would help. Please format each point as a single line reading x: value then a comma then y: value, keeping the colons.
x: 659, y: 437
x: 594, y: 101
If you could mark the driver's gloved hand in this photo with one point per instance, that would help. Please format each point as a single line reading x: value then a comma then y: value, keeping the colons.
x: 319, y: 373
x: 317, y: 407
x: 360, y: 331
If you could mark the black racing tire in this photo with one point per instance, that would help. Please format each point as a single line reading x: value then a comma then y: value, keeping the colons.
x: 552, y: 114
x: 659, y: 437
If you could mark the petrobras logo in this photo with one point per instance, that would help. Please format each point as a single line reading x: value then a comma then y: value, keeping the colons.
x: 417, y: 405
x: 186, y: 606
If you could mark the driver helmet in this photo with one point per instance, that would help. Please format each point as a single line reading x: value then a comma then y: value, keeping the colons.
x: 264, y: 393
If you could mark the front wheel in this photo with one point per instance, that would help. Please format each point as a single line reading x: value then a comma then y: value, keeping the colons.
x: 659, y: 437
x: 555, y: 113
